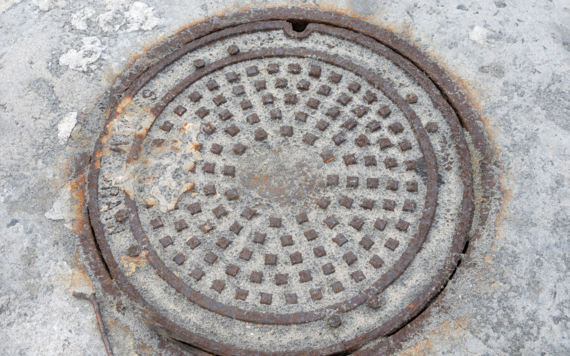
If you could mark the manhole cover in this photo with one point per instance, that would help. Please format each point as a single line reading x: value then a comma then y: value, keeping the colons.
x: 272, y: 187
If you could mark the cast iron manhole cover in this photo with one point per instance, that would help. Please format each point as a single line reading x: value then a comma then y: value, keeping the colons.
x: 270, y: 189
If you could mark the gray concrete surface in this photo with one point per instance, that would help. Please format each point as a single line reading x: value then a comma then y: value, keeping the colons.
x: 58, y: 57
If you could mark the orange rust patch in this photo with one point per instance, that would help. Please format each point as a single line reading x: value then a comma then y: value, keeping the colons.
x: 176, y: 145
x: 127, y: 101
x: 188, y: 187
x: 446, y: 333
x: 76, y: 187
x: 130, y: 264
x: 194, y: 147
x: 150, y: 202
x: 107, y: 135
x: 147, y: 47
x: 257, y: 179
x: 421, y: 348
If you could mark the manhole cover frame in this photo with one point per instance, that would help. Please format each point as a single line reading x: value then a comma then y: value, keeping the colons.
x: 454, y: 96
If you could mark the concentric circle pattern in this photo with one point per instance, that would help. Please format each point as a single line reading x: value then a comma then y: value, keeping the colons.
x: 291, y: 168
x: 264, y: 184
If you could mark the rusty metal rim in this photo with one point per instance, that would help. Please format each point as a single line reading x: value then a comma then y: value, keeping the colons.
x: 454, y: 96
x: 378, y: 286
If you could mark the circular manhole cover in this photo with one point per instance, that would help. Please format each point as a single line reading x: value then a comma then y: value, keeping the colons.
x: 269, y: 187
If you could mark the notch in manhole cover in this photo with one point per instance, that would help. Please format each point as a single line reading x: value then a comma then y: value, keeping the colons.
x: 291, y: 191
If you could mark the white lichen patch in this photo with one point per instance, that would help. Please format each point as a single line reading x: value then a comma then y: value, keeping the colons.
x: 111, y: 21
x: 65, y: 127
x: 141, y: 16
x: 79, y: 19
x: 43, y: 5
x: 89, y: 53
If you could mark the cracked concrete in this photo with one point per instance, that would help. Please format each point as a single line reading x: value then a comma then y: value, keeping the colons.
x: 513, y: 58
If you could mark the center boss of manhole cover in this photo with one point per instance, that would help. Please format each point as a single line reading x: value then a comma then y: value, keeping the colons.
x: 289, y: 190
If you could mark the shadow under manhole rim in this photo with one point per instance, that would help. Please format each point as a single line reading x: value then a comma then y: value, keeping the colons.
x: 307, y: 99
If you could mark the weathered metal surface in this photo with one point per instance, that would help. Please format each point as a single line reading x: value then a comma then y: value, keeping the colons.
x: 377, y: 287
x: 137, y: 80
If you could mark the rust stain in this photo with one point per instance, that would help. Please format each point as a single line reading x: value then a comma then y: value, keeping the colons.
x: 107, y: 135
x: 257, y: 179
x: 126, y: 102
x: 176, y: 145
x: 147, y: 47
x: 76, y: 188
x: 188, y: 187
x: 196, y: 147
x: 421, y: 348
x: 150, y: 202
x: 130, y: 264
x: 446, y: 333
